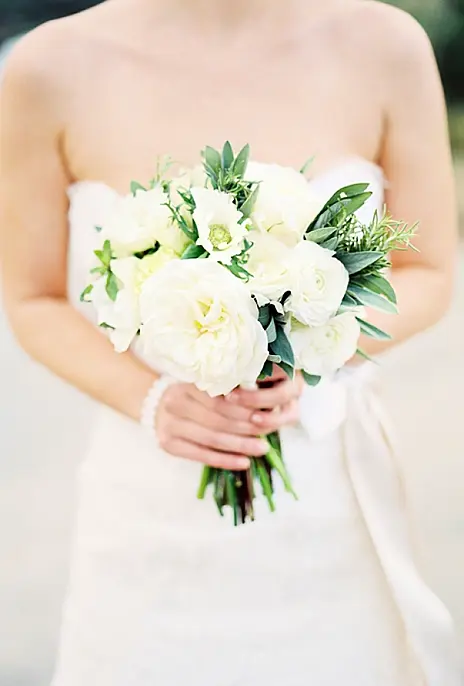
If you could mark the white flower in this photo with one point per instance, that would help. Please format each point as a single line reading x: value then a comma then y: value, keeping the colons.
x: 123, y: 314
x: 286, y: 204
x: 218, y: 222
x: 322, y: 350
x: 200, y: 325
x: 269, y: 265
x: 319, y: 283
x: 138, y: 221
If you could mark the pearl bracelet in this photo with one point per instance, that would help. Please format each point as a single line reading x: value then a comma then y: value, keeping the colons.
x: 152, y: 400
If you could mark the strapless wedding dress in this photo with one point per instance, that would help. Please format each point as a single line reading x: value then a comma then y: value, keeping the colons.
x: 323, y: 592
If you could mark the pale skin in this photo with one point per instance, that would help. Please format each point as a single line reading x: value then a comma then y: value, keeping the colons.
x: 102, y: 94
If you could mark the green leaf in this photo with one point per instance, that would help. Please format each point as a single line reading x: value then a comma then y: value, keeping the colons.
x: 112, y: 286
x: 136, y: 186
x: 227, y: 156
x: 364, y: 355
x: 104, y: 325
x: 266, y: 371
x: 330, y: 243
x: 321, y: 235
x: 271, y: 332
x: 265, y: 316
x: 288, y: 369
x: 241, y: 162
x: 349, y: 191
x: 206, y: 477
x: 349, y: 301
x: 357, y: 261
x: 306, y: 165
x: 87, y: 291
x: 212, y: 159
x: 338, y: 212
x: 378, y: 284
x: 99, y: 270
x: 372, y: 331
x: 266, y: 484
x: 311, y: 379
x: 193, y: 252
x: 282, y: 347
x: 370, y: 299
x: 247, y: 208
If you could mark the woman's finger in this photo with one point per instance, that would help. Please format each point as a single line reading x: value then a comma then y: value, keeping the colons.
x: 221, y: 406
x: 268, y: 422
x: 194, y: 411
x: 218, y: 440
x: 266, y: 398
x: 179, y: 447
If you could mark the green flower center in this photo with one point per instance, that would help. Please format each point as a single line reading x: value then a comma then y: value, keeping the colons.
x: 219, y: 236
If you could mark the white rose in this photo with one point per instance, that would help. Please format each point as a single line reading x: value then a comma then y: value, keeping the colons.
x: 218, y: 222
x: 123, y: 314
x: 269, y: 265
x: 286, y: 205
x: 319, y: 284
x: 322, y: 350
x: 200, y: 325
x: 138, y: 221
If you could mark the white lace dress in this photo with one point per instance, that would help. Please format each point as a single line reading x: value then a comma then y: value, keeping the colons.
x: 323, y: 592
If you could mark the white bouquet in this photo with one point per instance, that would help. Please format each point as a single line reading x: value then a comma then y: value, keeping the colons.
x: 232, y: 268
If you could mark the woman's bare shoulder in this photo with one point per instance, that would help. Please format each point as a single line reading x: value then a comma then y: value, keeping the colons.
x: 54, y: 53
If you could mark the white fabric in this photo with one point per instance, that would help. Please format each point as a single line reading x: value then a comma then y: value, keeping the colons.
x: 324, y: 592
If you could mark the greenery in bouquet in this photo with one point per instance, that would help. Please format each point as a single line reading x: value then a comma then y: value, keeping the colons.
x: 220, y: 273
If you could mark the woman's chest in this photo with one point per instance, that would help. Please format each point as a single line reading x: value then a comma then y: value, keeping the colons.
x: 124, y: 119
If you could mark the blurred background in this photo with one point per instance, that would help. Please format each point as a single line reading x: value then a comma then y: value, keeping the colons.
x: 423, y: 383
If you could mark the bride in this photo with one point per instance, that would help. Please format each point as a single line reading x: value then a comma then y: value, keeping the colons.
x: 163, y: 591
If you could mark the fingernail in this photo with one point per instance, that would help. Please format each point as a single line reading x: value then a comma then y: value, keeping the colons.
x: 243, y: 463
x: 257, y: 419
x: 263, y: 447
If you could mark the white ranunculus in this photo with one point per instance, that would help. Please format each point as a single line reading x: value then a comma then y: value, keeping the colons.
x: 286, y: 205
x: 269, y: 265
x: 218, y: 222
x: 200, y: 325
x: 322, y: 350
x: 138, y: 221
x: 123, y: 314
x: 319, y: 283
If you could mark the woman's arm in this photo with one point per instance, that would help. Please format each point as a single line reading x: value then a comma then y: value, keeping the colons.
x: 417, y: 161
x: 33, y: 183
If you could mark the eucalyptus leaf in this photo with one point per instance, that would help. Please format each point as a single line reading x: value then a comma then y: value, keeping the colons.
x: 311, y: 379
x: 86, y: 292
x: 306, y: 165
x: 321, y: 235
x: 378, y: 284
x: 266, y: 371
x: 349, y: 191
x: 193, y: 252
x: 372, y: 331
x: 350, y: 301
x: 288, y: 369
x: 357, y: 261
x: 247, y: 208
x: 364, y: 355
x: 282, y: 347
x: 241, y: 162
x: 212, y: 159
x: 227, y: 156
x: 271, y: 332
x: 264, y: 316
x: 370, y: 299
x: 136, y: 186
x: 330, y: 243
x: 112, y: 286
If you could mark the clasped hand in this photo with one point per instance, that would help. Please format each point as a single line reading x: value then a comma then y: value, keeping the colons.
x: 225, y: 432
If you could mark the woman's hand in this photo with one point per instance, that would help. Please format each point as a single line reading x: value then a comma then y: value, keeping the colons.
x: 224, y: 432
